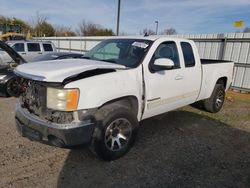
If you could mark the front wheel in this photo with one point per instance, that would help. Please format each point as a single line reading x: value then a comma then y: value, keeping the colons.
x: 115, y: 132
x: 215, y: 102
x: 13, y: 87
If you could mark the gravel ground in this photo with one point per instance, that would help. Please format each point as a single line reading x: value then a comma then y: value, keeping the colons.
x: 183, y: 148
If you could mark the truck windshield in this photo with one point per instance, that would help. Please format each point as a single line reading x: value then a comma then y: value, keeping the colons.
x: 127, y: 52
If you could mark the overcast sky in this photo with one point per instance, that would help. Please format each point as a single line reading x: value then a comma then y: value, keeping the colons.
x: 186, y: 16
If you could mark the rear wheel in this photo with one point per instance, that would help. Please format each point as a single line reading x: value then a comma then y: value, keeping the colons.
x: 215, y: 102
x: 115, y: 132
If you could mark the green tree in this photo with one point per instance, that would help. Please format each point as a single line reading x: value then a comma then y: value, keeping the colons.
x: 24, y: 26
x: 44, y: 29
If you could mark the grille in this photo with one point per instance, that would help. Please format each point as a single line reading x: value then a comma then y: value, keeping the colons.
x: 34, y: 100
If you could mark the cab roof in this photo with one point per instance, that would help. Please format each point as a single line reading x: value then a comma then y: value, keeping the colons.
x: 151, y: 37
x: 17, y: 41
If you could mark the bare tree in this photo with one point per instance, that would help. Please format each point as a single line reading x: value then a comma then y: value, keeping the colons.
x: 45, y: 29
x: 92, y: 29
x: 123, y: 33
x: 38, y: 19
x: 247, y: 30
x: 169, y: 31
x: 36, y: 23
x: 61, y: 30
x: 147, y: 31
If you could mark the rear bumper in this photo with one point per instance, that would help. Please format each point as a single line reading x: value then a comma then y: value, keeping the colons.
x: 61, y: 135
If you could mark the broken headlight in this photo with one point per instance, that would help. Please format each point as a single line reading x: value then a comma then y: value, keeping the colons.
x: 62, y: 99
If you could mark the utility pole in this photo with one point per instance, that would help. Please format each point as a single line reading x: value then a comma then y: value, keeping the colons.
x: 156, y: 29
x: 118, y: 18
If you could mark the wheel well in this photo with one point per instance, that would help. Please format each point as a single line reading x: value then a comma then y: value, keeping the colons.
x: 130, y: 102
x: 222, y: 80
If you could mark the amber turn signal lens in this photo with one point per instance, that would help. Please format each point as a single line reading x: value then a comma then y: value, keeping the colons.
x: 72, y: 99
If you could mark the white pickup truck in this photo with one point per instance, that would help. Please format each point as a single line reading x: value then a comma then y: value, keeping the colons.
x: 121, y: 81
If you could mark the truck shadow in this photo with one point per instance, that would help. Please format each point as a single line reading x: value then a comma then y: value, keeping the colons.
x: 177, y: 149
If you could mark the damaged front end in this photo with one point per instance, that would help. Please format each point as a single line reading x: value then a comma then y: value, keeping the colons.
x: 34, y: 99
x: 38, y: 122
x: 48, y: 111
x: 38, y: 98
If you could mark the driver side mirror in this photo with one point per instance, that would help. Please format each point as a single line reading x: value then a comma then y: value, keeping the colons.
x: 162, y: 64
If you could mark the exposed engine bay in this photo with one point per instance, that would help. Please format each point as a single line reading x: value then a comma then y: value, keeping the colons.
x: 33, y: 99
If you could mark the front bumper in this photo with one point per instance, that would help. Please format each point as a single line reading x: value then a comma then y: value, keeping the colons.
x: 62, y: 135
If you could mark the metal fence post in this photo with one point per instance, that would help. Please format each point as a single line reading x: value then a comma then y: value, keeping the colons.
x: 58, y: 44
x: 224, y: 45
x: 85, y: 45
x: 81, y: 44
x: 69, y: 45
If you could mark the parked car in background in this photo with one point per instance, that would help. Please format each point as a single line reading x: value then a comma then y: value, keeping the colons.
x: 57, y: 55
x: 10, y: 83
x: 27, y: 49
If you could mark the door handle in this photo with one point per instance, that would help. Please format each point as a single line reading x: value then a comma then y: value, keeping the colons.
x: 23, y: 53
x: 179, y: 77
x: 39, y: 52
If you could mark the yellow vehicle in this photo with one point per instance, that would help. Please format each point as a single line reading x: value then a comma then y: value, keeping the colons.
x: 12, y: 36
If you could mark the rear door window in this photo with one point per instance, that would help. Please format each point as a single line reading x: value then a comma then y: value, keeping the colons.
x: 188, y: 54
x: 18, y: 47
x: 33, y: 47
x: 47, y: 48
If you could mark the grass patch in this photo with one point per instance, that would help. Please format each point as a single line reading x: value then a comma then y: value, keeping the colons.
x: 235, y: 112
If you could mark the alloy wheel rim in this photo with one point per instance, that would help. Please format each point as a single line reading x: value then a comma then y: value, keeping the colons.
x: 219, y: 99
x: 118, y: 134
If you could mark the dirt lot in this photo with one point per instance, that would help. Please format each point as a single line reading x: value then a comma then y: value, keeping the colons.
x: 183, y: 148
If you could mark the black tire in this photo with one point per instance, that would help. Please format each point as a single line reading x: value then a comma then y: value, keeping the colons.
x: 215, y: 102
x: 13, y: 87
x: 199, y: 105
x: 110, y: 139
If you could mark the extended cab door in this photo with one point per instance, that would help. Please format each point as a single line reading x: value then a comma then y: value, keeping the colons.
x: 192, y: 72
x: 34, y: 50
x: 166, y: 90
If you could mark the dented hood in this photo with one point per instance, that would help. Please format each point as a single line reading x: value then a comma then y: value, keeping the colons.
x: 58, y: 70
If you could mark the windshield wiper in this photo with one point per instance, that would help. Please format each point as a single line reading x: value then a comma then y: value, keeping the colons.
x: 105, y: 60
x: 108, y: 60
x: 85, y: 57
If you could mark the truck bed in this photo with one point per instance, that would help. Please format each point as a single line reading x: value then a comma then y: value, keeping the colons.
x: 211, y: 71
x: 213, y: 61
